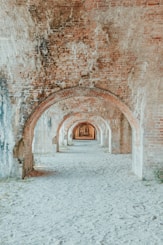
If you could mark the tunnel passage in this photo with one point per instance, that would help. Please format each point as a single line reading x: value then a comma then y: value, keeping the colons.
x: 137, y: 161
x: 84, y: 131
x: 70, y: 121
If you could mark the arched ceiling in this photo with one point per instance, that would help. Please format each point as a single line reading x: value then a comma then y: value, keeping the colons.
x: 78, y: 118
x: 83, y: 104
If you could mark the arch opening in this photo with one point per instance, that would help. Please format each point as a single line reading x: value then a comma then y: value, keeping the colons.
x: 137, y: 149
x: 84, y: 131
x: 69, y: 122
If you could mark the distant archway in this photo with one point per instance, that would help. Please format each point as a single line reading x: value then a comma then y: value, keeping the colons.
x: 79, y: 117
x: 84, y: 131
x: 137, y: 148
x: 72, y: 125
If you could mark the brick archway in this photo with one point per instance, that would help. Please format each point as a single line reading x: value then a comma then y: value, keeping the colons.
x: 74, y: 124
x: 82, y: 131
x: 137, y: 161
x: 78, y: 117
x: 69, y: 130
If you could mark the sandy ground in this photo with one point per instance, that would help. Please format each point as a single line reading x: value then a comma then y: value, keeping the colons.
x: 92, y: 198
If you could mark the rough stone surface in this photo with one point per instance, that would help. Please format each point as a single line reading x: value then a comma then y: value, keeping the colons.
x: 8, y: 167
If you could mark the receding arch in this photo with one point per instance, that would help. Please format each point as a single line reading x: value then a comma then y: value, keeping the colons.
x: 85, y: 116
x: 82, y: 123
x: 97, y: 127
x: 137, y: 149
x: 74, y: 123
x: 82, y: 131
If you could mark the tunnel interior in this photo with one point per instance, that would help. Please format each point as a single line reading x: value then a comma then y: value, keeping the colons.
x: 84, y: 131
x: 63, y: 125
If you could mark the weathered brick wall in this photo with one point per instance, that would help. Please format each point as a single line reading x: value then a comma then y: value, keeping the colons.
x: 153, y: 131
x: 125, y: 136
x: 117, y: 46
x: 8, y: 166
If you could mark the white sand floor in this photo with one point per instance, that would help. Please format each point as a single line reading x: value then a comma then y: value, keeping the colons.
x: 92, y: 198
